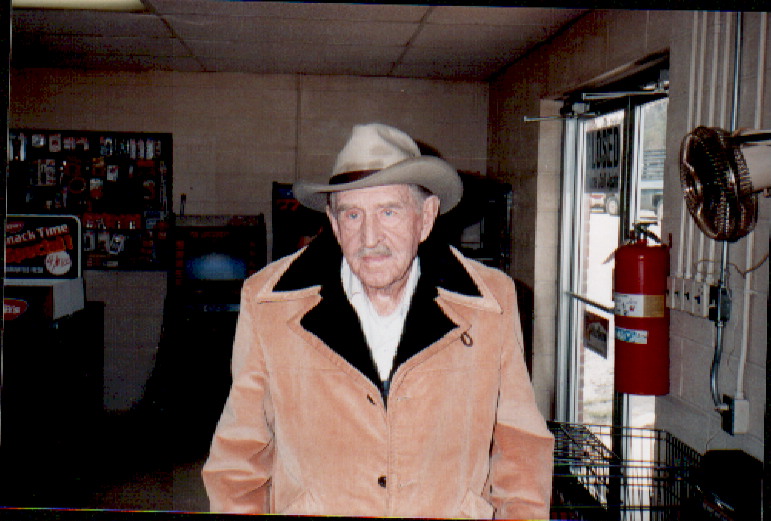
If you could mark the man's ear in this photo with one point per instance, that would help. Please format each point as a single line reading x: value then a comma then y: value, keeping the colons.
x: 333, y: 223
x: 430, y: 212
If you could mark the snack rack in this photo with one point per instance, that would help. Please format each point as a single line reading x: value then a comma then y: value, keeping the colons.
x: 614, y: 473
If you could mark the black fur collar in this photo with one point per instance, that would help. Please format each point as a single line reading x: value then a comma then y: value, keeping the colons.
x: 335, y: 322
x: 319, y: 265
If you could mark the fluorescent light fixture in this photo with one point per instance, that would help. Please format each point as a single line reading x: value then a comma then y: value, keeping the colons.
x: 96, y: 5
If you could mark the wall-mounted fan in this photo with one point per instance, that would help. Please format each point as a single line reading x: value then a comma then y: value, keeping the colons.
x: 721, y: 174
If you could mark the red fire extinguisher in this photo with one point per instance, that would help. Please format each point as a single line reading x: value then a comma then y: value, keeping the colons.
x: 641, y: 316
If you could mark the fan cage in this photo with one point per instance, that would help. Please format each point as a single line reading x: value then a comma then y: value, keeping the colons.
x: 716, y: 184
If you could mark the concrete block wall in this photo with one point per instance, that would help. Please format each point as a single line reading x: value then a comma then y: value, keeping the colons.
x: 547, y: 250
x: 702, y: 76
x: 233, y: 134
x: 599, y: 45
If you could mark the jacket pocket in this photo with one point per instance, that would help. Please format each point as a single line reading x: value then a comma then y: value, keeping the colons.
x: 474, y: 506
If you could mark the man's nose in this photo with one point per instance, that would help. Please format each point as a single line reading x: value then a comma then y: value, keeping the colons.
x: 371, y: 231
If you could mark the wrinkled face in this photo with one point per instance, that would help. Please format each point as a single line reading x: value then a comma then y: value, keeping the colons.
x: 379, y: 230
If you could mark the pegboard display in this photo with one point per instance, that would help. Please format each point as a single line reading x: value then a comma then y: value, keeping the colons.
x: 117, y: 183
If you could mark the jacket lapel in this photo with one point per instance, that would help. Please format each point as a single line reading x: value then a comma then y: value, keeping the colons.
x: 334, y: 321
x: 425, y: 323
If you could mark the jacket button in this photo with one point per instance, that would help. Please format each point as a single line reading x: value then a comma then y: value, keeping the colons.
x: 371, y: 399
x: 382, y: 481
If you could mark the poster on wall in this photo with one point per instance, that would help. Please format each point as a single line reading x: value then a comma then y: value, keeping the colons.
x: 117, y: 183
x: 603, y: 160
x: 42, y: 247
x: 596, y: 333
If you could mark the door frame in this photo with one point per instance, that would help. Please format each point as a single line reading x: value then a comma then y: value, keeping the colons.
x: 569, y: 319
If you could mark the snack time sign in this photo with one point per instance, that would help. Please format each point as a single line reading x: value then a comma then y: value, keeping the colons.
x: 603, y: 159
x: 42, y: 247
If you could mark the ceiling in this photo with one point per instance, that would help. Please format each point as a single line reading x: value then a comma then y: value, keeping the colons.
x: 415, y: 41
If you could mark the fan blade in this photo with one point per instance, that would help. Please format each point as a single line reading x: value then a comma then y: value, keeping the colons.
x: 708, y: 181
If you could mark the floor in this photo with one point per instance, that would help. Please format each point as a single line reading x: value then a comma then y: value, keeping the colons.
x: 178, y: 489
x: 141, y: 462
x: 130, y: 462
x: 148, y: 476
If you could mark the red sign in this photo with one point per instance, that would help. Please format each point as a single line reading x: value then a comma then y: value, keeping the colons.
x: 13, y: 308
x: 42, y: 247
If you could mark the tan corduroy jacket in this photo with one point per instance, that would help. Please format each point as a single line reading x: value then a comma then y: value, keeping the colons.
x: 309, y: 428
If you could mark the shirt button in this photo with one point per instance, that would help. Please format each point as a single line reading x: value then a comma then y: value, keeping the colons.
x: 382, y: 481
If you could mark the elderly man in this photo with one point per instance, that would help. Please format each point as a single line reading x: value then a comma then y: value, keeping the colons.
x: 374, y: 375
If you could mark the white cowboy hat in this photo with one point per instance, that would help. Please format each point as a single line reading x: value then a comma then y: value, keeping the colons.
x: 378, y: 155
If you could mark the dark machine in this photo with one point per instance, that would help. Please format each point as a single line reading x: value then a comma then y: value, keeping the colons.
x: 212, y: 256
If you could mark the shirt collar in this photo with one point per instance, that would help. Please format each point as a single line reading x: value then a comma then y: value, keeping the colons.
x: 355, y: 290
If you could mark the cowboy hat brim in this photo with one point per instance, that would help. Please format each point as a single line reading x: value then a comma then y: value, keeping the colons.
x: 432, y: 173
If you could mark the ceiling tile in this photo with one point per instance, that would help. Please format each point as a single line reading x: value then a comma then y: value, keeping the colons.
x: 332, y: 32
x: 99, y: 23
x: 416, y: 55
x: 301, y: 10
x: 353, y: 12
x: 307, y: 54
x: 291, y: 66
x: 203, y: 27
x: 202, y: 7
x: 115, y: 62
x: 286, y: 37
x: 451, y: 15
x: 478, y: 36
x: 162, y: 63
x: 231, y: 28
x: 562, y: 16
x: 130, y: 46
x: 362, y: 53
x: 447, y: 70
x: 491, y: 15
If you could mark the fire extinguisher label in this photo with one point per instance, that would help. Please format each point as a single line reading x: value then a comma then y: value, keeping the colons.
x: 632, y: 336
x: 644, y: 306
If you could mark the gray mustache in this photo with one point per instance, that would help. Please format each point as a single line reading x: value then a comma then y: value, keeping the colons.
x: 377, y: 251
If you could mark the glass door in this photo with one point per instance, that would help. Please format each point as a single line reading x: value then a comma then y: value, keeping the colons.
x: 647, y: 206
x: 613, y: 179
x: 596, y: 236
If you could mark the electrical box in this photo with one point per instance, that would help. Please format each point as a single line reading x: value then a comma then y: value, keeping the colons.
x: 736, y: 419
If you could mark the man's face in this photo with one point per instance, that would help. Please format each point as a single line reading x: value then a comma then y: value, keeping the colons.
x: 379, y: 230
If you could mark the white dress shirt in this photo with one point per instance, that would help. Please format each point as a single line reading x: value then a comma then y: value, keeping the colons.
x: 381, y: 332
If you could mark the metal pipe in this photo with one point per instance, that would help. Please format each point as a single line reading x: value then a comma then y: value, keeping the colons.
x: 700, y: 275
x: 685, y: 222
x: 737, y: 70
x: 607, y: 309
x: 750, y: 246
x: 712, y: 279
x: 698, y: 118
x: 746, y: 318
x: 714, y: 375
x: 564, y: 383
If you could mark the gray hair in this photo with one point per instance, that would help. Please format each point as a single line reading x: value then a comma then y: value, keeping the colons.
x: 419, y: 194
